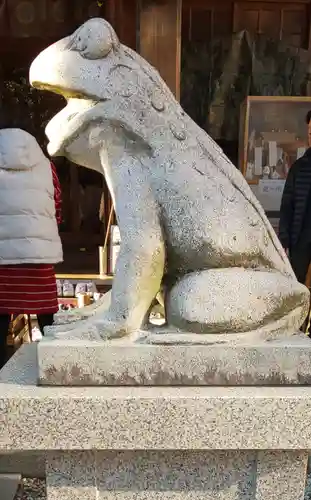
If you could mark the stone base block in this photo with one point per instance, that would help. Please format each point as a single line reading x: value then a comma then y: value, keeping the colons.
x: 169, y: 443
x: 9, y: 484
x: 90, y: 363
x: 71, y: 476
x: 28, y: 464
x: 176, y: 475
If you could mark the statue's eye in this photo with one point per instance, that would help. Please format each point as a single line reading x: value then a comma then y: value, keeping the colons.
x: 78, y: 44
x: 93, y: 42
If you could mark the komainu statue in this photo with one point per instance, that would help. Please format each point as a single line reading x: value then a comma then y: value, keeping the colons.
x: 190, y: 226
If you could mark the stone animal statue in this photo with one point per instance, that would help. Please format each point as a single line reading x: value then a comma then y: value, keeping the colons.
x: 190, y: 225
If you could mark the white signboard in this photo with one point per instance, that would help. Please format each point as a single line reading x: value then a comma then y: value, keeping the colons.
x: 269, y: 192
x: 271, y: 187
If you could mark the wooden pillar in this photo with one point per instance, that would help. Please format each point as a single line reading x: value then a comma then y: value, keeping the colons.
x: 160, y: 38
x: 123, y: 17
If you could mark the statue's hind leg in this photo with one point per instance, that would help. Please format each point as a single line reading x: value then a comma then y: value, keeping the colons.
x: 235, y: 300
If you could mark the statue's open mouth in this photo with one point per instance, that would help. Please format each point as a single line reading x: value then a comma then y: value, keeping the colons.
x: 69, y: 120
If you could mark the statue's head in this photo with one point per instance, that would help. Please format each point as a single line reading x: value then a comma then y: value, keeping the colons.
x: 110, y: 90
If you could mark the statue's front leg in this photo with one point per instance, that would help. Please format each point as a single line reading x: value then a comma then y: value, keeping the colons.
x: 140, y: 264
x: 137, y: 281
x: 138, y: 277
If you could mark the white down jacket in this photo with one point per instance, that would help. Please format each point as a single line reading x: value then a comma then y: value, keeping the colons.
x: 28, y: 227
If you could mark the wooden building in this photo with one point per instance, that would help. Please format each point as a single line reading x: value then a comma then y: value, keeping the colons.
x: 158, y: 29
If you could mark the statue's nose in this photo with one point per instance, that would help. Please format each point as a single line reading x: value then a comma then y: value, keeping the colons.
x: 48, y: 67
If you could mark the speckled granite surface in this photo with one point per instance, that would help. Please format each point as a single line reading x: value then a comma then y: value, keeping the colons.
x: 35, y: 489
x: 201, y: 435
x: 232, y: 418
x: 176, y: 475
x: 90, y: 363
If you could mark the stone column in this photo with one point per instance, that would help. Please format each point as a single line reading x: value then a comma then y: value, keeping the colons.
x: 71, y: 475
x: 281, y: 475
x: 178, y: 475
x: 160, y: 38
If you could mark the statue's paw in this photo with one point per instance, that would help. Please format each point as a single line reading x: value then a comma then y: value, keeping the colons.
x: 62, y: 317
x: 56, y: 329
x: 73, y: 316
x: 83, y: 330
x: 109, y: 329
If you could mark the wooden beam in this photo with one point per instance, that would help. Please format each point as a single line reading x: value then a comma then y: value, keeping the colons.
x: 160, y: 38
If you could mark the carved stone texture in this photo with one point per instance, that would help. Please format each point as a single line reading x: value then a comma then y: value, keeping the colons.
x: 66, y: 362
x: 178, y: 475
x: 189, y: 222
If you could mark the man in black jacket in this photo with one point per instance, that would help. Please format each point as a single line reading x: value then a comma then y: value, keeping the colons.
x: 295, y: 215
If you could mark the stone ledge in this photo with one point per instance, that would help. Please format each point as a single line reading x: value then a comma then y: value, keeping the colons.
x: 151, y: 418
x: 90, y: 363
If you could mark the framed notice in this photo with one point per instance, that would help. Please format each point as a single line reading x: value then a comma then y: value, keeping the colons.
x: 273, y: 135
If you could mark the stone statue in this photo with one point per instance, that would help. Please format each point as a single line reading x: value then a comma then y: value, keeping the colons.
x: 190, y: 225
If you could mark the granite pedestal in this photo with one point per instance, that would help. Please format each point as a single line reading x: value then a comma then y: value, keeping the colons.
x: 188, y: 440
x: 89, y: 363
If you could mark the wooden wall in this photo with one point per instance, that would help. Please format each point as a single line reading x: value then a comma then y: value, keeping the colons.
x: 160, y: 38
x: 123, y: 15
x: 287, y: 20
x: 161, y: 32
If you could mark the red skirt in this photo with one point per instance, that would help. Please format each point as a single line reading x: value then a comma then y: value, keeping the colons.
x: 28, y: 289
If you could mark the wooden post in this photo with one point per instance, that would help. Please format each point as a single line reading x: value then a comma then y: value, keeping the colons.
x: 122, y: 16
x: 160, y: 38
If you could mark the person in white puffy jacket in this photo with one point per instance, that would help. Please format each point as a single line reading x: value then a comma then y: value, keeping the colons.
x: 30, y: 245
